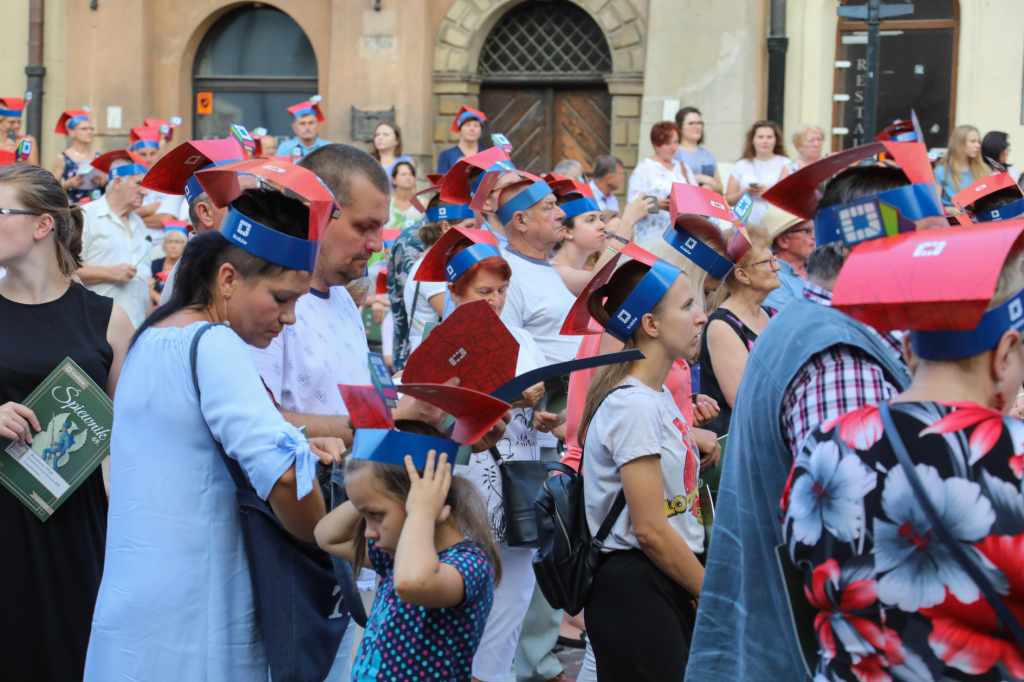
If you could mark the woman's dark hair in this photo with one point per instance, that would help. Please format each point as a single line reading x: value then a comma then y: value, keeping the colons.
x: 993, y: 146
x: 429, y: 233
x: 468, y: 506
x: 206, y: 253
x: 398, y: 139
x: 780, y: 147
x: 681, y: 116
x: 661, y: 133
x: 38, y: 191
x: 394, y: 170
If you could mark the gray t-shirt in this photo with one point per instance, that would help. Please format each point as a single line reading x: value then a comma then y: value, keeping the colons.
x: 635, y: 422
x: 701, y: 162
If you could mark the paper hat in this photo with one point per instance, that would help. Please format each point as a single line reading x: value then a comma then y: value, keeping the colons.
x: 220, y: 182
x: 389, y: 235
x: 136, y: 167
x: 172, y: 224
x: 467, y: 114
x: 450, y: 213
x: 11, y: 107
x: 798, y: 193
x: 777, y: 221
x: 936, y: 283
x: 965, y: 198
x: 69, y: 119
x: 485, y: 183
x: 566, y: 186
x: 903, y: 131
x: 442, y: 263
x: 522, y: 201
x: 686, y: 238
x: 174, y: 173
x: 455, y: 186
x: 311, y: 106
x: 880, y: 215
x: 141, y: 138
x: 472, y: 344
x: 166, y: 128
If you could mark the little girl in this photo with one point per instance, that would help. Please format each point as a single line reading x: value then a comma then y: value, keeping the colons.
x: 436, y: 584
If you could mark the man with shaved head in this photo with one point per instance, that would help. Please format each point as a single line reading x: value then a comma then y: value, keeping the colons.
x: 538, y: 302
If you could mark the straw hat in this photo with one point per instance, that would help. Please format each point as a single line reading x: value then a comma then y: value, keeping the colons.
x: 777, y: 221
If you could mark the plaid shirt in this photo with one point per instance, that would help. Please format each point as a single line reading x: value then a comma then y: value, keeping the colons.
x: 835, y: 381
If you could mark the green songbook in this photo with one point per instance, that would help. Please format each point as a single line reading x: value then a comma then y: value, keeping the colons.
x: 76, y: 416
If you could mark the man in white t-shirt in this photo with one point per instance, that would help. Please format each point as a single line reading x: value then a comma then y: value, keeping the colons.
x: 537, y: 301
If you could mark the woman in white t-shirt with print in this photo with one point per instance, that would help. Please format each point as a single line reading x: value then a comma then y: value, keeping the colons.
x: 475, y: 271
x: 641, y: 609
x: 764, y: 158
x: 424, y: 301
x: 654, y: 177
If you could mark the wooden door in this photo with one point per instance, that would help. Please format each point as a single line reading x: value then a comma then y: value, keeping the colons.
x: 546, y: 125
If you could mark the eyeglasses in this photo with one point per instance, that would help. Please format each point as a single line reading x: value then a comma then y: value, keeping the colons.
x: 802, y: 230
x: 16, y: 211
x: 773, y: 263
x: 695, y: 123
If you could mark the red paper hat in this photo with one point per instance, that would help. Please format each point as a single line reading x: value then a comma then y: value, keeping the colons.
x: 170, y: 173
x: 67, y: 116
x: 432, y: 269
x: 382, y: 282
x: 903, y: 131
x: 798, y: 193
x: 366, y: 408
x: 475, y: 413
x: 697, y: 200
x: 7, y: 157
x: 578, y: 321
x: 221, y: 184
x: 467, y: 114
x: 156, y: 123
x: 144, y: 134
x: 486, y: 182
x: 455, y: 185
x: 390, y: 234
x: 473, y: 344
x: 11, y: 107
x: 562, y: 186
x: 926, y: 281
x: 435, y: 179
x: 304, y: 107
x: 174, y: 222
x: 102, y: 162
x: 415, y: 201
x: 990, y: 184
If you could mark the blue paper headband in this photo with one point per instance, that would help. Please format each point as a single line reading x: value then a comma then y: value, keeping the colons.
x: 192, y: 186
x: 715, y: 264
x: 73, y: 121
x: 959, y: 344
x: 1006, y: 212
x: 391, y: 447
x: 913, y: 201
x: 268, y: 244
x: 178, y: 228
x: 583, y: 205
x: 466, y: 115
x: 468, y: 257
x: 456, y: 212
x: 10, y: 113
x: 646, y: 295
x: 305, y: 112
x: 523, y: 201
x: 144, y: 144
x: 128, y: 169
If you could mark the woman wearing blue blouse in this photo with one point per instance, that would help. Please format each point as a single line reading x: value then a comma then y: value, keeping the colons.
x: 469, y: 124
x: 176, y: 600
x: 962, y: 164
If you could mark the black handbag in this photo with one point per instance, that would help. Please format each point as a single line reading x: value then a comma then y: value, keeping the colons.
x: 299, y: 606
x: 520, y: 483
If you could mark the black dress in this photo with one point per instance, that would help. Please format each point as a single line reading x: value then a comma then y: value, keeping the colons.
x: 50, y: 572
x: 708, y: 381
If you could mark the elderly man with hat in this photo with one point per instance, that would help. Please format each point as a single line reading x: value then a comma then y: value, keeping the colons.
x: 306, y: 120
x: 792, y: 243
x: 11, y: 109
x: 114, y: 242
x: 469, y: 124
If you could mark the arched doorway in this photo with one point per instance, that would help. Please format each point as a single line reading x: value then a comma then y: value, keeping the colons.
x: 253, y: 63
x: 543, y: 68
x: 918, y: 71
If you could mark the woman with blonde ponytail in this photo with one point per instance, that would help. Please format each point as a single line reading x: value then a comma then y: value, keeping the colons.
x: 52, y: 570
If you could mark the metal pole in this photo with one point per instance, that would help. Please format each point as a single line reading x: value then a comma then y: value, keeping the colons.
x: 873, y: 58
x: 35, y: 71
x: 778, y: 43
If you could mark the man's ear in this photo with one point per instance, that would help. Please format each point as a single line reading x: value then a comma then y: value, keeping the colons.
x: 205, y: 214
x: 1008, y: 344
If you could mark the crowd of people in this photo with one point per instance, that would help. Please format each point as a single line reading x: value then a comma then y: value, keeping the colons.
x: 799, y: 455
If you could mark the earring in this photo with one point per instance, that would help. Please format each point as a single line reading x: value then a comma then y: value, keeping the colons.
x: 1000, y: 398
x: 226, y: 320
x: 655, y: 334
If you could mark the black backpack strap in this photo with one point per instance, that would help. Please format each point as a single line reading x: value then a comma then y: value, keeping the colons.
x: 620, y: 500
x: 954, y: 547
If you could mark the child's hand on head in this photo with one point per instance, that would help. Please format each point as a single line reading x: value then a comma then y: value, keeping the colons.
x: 427, y: 494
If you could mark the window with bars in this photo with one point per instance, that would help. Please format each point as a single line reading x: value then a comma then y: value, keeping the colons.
x: 545, y: 39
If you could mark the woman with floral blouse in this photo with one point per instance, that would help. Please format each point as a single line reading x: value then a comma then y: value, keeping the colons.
x: 892, y: 602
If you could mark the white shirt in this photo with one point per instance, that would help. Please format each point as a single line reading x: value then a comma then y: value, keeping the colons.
x: 764, y: 172
x: 425, y: 312
x: 107, y: 242
x: 654, y: 180
x: 607, y: 202
x: 538, y: 302
x: 637, y: 422
x: 518, y: 444
x: 325, y: 347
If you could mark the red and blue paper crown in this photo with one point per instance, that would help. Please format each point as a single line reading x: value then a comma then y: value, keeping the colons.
x: 691, y: 199
x: 310, y: 107
x: 166, y: 128
x: 143, y: 137
x: 990, y: 184
x: 938, y: 284
x: 175, y: 172
x: 903, y: 131
x: 584, y: 203
x: 467, y: 114
x: 442, y: 264
x: 71, y: 118
x: 11, y: 107
x: 455, y: 186
x: 172, y: 224
x: 136, y: 165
